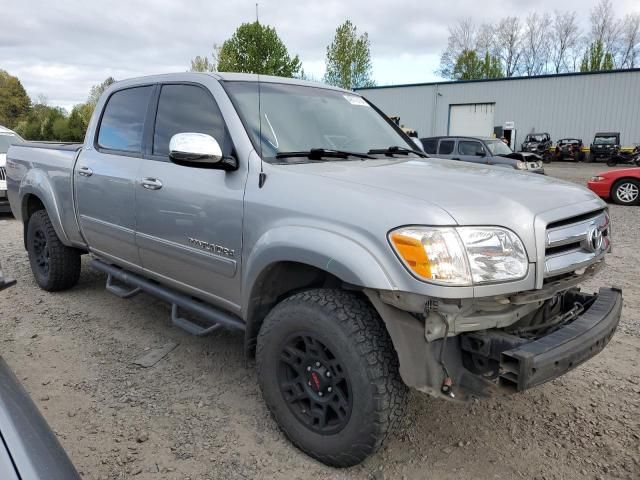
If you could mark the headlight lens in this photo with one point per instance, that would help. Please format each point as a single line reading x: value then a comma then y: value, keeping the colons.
x: 596, y: 179
x: 461, y: 256
x: 520, y: 165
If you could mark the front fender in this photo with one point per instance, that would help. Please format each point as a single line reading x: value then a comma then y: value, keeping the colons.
x: 36, y: 182
x: 350, y: 261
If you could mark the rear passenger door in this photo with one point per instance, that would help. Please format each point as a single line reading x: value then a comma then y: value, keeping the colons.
x: 446, y: 148
x: 471, y: 151
x: 106, y: 173
x: 189, y: 218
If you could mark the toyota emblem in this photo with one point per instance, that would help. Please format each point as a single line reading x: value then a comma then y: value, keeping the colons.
x: 594, y: 239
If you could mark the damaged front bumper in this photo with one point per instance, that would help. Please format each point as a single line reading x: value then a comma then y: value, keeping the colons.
x: 568, y: 330
x: 541, y: 360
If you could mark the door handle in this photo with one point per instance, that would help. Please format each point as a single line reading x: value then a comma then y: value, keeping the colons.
x: 85, y: 171
x: 151, y: 183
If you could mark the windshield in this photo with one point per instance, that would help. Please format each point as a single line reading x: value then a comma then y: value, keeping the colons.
x: 298, y: 118
x: 535, y: 138
x: 6, y: 140
x: 605, y: 140
x: 498, y: 147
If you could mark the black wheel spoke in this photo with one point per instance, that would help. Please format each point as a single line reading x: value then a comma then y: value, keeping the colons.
x: 314, y: 384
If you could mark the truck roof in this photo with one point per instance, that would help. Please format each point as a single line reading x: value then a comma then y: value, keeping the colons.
x: 229, y: 77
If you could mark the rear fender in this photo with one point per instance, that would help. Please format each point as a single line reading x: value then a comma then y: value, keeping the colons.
x: 37, y: 183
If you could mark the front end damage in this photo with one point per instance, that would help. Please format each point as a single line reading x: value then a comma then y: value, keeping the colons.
x: 480, y: 347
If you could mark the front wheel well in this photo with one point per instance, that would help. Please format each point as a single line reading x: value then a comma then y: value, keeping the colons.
x: 276, y: 282
x: 30, y: 205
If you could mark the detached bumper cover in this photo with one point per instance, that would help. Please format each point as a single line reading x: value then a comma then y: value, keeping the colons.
x: 551, y: 356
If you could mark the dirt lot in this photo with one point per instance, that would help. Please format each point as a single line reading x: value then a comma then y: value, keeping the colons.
x: 198, y: 413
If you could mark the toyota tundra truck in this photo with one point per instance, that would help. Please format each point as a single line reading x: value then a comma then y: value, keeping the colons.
x: 354, y: 265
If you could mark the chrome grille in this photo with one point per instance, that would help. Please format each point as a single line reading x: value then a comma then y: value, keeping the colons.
x: 3, y: 173
x: 576, y: 243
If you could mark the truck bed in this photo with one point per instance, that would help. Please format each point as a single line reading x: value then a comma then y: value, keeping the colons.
x: 49, y: 168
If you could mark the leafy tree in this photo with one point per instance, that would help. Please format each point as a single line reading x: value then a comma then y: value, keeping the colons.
x: 14, y: 101
x: 596, y: 58
x: 98, y: 90
x: 202, y: 64
x: 469, y: 67
x: 256, y: 48
x: 348, y: 59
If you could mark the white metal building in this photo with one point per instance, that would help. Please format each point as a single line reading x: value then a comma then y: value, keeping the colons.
x: 567, y: 105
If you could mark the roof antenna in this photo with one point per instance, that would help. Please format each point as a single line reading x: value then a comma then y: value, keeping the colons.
x: 263, y: 176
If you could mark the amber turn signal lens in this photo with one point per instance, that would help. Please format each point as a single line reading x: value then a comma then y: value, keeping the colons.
x: 413, y: 253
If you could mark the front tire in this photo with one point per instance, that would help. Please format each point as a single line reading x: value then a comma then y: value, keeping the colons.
x: 626, y: 192
x: 54, y: 265
x: 612, y: 162
x: 329, y: 374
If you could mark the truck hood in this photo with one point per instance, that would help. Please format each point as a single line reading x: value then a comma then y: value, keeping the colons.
x: 471, y: 194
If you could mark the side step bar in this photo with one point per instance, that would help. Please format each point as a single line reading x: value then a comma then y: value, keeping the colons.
x: 217, y: 318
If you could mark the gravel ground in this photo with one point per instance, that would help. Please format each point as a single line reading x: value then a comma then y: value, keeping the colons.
x: 198, y: 413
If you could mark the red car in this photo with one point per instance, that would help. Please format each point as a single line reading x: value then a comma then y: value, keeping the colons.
x: 622, y: 186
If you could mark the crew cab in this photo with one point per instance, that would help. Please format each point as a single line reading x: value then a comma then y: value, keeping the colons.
x: 301, y: 215
x: 485, y: 150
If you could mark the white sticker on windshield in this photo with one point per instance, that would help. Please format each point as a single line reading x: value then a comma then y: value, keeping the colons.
x: 354, y: 100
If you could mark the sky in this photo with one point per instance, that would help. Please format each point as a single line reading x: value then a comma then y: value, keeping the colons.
x: 59, y: 49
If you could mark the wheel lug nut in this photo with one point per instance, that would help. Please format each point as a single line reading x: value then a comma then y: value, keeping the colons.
x: 309, y: 383
x: 320, y: 394
x: 317, y: 364
x: 308, y: 369
x: 329, y: 389
x: 328, y: 374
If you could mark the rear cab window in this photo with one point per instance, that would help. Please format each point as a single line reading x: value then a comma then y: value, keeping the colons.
x: 429, y: 145
x: 122, y: 124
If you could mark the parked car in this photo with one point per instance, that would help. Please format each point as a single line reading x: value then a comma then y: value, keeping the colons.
x: 7, y: 138
x: 485, y: 150
x: 621, y: 186
x: 29, y: 449
x: 604, y: 146
x: 538, y: 143
x: 569, y: 149
x: 354, y: 264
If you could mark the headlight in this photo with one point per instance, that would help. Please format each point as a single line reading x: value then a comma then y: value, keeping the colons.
x: 461, y: 256
x: 520, y: 165
x: 596, y: 179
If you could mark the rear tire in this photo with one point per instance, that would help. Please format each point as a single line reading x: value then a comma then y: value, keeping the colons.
x: 329, y: 374
x: 54, y: 265
x: 612, y: 162
x: 626, y: 192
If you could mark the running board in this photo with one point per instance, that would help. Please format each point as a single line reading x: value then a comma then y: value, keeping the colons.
x: 215, y: 317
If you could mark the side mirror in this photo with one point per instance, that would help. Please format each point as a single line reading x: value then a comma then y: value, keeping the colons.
x: 195, y: 148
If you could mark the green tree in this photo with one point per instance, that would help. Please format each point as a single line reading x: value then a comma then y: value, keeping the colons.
x: 348, y: 59
x: 14, y: 101
x: 469, y: 66
x: 256, y: 48
x: 202, y: 64
x: 596, y: 58
x: 97, y: 90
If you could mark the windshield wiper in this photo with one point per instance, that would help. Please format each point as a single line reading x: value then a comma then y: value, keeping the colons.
x: 397, y: 149
x: 320, y: 153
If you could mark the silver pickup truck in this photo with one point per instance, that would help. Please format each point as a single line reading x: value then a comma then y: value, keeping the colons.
x: 301, y: 215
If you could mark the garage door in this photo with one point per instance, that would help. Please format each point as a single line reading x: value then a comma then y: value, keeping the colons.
x: 475, y: 119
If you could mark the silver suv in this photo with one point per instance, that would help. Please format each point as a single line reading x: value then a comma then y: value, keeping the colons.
x: 483, y: 150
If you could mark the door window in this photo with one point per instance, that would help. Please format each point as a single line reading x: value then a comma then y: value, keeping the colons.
x: 467, y: 147
x: 446, y: 147
x: 122, y: 122
x: 429, y: 145
x: 186, y: 109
